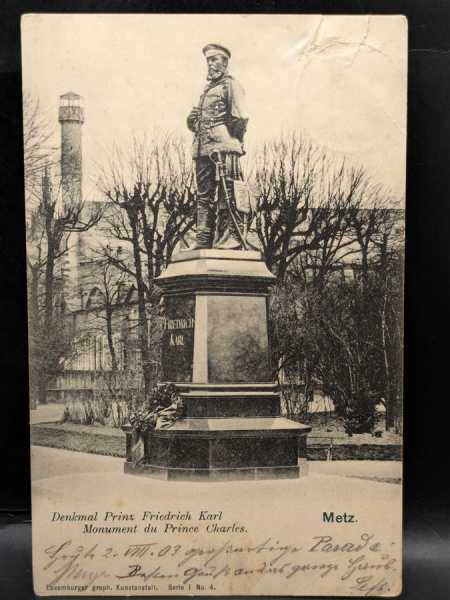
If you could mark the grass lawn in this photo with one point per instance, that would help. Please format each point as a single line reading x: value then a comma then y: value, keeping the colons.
x: 96, y: 439
x: 326, y: 427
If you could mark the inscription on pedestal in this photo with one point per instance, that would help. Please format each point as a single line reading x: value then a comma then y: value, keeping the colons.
x: 178, y: 338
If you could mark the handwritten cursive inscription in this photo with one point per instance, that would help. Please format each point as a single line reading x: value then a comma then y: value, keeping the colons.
x: 66, y: 565
x: 361, y: 565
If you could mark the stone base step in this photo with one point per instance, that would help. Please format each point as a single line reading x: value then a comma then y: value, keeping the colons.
x: 231, y: 404
x: 223, y: 387
x: 214, y: 448
x: 239, y: 474
x: 234, y: 427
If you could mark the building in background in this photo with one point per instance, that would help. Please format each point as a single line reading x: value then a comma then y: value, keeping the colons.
x: 81, y: 280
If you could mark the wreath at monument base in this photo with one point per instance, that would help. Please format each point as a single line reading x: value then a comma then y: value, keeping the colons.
x: 164, y: 408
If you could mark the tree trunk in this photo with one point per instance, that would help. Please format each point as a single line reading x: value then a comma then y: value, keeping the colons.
x: 109, y: 334
x: 47, y: 326
x: 364, y: 273
x: 390, y: 410
x: 34, y: 358
x: 389, y: 394
x: 309, y: 390
x: 42, y: 387
x: 142, y: 314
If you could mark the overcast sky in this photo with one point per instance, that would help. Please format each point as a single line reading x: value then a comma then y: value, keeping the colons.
x: 339, y: 79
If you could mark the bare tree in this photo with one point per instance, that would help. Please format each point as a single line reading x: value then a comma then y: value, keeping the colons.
x: 109, y: 285
x: 150, y: 209
x: 303, y: 202
x: 39, y: 152
x: 319, y: 219
x: 53, y: 223
x: 378, y: 231
x: 388, y: 299
x: 354, y: 327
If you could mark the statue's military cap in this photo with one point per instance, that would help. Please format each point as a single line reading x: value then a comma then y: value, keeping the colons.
x: 213, y: 49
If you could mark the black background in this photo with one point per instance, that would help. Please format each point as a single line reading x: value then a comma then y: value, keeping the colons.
x: 427, y: 306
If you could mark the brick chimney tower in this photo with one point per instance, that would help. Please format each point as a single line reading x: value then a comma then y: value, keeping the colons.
x: 71, y: 117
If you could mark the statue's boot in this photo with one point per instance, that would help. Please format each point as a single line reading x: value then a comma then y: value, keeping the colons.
x: 205, y: 228
x: 228, y: 238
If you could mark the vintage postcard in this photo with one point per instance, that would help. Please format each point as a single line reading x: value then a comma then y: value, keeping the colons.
x: 215, y: 245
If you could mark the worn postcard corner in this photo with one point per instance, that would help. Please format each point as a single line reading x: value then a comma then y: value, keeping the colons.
x: 215, y: 247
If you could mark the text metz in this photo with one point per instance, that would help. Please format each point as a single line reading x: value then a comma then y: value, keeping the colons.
x: 331, y: 517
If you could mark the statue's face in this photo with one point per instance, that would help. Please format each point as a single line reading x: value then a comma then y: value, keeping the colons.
x: 217, y: 65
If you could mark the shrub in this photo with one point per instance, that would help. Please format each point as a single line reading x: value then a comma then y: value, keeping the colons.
x: 360, y: 416
x: 164, y: 404
x: 97, y: 411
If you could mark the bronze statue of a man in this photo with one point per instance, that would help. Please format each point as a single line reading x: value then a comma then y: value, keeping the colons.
x: 218, y: 123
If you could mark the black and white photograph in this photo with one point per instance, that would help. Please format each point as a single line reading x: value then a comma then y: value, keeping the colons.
x: 215, y: 229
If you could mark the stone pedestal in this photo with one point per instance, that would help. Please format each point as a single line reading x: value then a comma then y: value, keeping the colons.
x: 216, y: 350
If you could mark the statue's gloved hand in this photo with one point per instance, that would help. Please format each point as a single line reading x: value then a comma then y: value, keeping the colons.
x: 237, y: 128
x: 192, y: 120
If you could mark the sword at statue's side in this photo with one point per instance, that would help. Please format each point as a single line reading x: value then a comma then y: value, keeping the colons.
x: 220, y: 167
